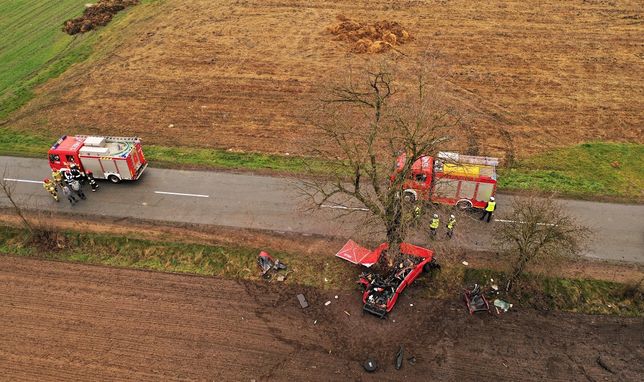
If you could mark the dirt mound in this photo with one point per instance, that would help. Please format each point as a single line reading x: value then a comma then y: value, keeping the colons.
x: 95, y: 15
x: 377, y: 37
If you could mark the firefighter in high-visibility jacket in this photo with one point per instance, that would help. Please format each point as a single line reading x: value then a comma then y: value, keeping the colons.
x: 433, y: 226
x: 451, y: 223
x: 51, y: 188
x: 57, y: 177
x: 417, y: 212
x: 489, y: 209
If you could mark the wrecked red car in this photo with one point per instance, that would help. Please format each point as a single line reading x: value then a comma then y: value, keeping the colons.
x: 381, y: 292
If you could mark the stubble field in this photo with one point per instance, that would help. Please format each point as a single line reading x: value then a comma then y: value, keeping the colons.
x: 243, y: 75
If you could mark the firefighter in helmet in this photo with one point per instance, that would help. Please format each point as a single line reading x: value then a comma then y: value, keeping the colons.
x: 450, y: 226
x: 418, y: 210
x: 51, y: 188
x: 75, y: 172
x: 92, y: 182
x: 489, y: 209
x: 67, y: 175
x: 57, y: 178
x: 433, y: 226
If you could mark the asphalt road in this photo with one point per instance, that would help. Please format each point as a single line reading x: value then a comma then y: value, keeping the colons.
x: 273, y: 203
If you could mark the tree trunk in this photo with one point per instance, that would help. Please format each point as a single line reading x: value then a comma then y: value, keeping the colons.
x: 517, y: 271
x: 394, y: 233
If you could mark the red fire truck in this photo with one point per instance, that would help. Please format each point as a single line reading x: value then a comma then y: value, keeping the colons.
x: 111, y: 158
x: 464, y: 181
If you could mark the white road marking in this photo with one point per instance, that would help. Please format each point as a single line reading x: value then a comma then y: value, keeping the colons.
x: 181, y: 194
x: 337, y: 206
x: 514, y: 221
x: 22, y: 180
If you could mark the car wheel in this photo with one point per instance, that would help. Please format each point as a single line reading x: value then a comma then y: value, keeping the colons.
x: 114, y: 179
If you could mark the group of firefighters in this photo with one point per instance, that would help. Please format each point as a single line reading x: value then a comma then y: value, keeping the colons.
x: 451, y: 222
x: 70, y: 183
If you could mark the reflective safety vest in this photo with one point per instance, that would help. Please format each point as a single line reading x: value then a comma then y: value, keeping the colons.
x: 435, y: 223
x: 56, y: 176
x: 451, y: 223
x: 417, y: 211
x: 490, y: 206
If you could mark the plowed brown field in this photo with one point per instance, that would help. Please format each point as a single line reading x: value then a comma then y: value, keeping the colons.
x: 74, y: 322
x: 243, y: 74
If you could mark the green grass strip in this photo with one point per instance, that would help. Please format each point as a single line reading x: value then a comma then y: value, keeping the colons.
x: 589, y: 169
x: 326, y: 272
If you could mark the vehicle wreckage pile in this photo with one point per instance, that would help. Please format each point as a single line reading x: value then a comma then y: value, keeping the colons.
x: 382, y: 288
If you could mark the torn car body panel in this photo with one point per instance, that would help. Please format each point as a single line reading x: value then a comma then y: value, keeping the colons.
x: 354, y: 253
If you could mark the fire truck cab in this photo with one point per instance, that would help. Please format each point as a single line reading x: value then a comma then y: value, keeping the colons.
x: 464, y: 181
x: 111, y: 158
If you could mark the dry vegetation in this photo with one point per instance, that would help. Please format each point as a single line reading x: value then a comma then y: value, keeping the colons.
x: 243, y: 75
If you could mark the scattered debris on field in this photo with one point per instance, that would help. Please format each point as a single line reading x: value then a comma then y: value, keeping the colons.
x: 398, y: 361
x: 502, y: 305
x: 95, y: 15
x: 302, y: 300
x: 370, y: 365
x: 603, y: 364
x: 475, y: 300
x: 377, y: 37
x: 269, y: 265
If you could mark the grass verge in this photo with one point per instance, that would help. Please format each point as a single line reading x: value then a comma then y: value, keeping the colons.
x: 547, y: 293
x: 36, y: 146
x: 584, y: 296
x: 589, y: 169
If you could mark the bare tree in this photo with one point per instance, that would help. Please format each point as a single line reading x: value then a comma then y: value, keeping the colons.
x: 365, y: 125
x: 537, y: 229
x: 7, y: 189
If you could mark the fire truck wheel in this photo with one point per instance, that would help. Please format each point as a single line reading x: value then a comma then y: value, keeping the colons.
x: 409, y: 197
x: 114, y: 179
x: 464, y: 205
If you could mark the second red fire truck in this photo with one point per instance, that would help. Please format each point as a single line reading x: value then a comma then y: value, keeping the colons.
x: 464, y: 181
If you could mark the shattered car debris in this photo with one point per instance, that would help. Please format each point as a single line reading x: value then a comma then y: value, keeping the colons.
x: 267, y: 264
x: 381, y: 292
x: 475, y: 300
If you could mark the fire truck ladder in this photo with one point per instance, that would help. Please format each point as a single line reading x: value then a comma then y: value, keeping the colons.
x: 113, y: 139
